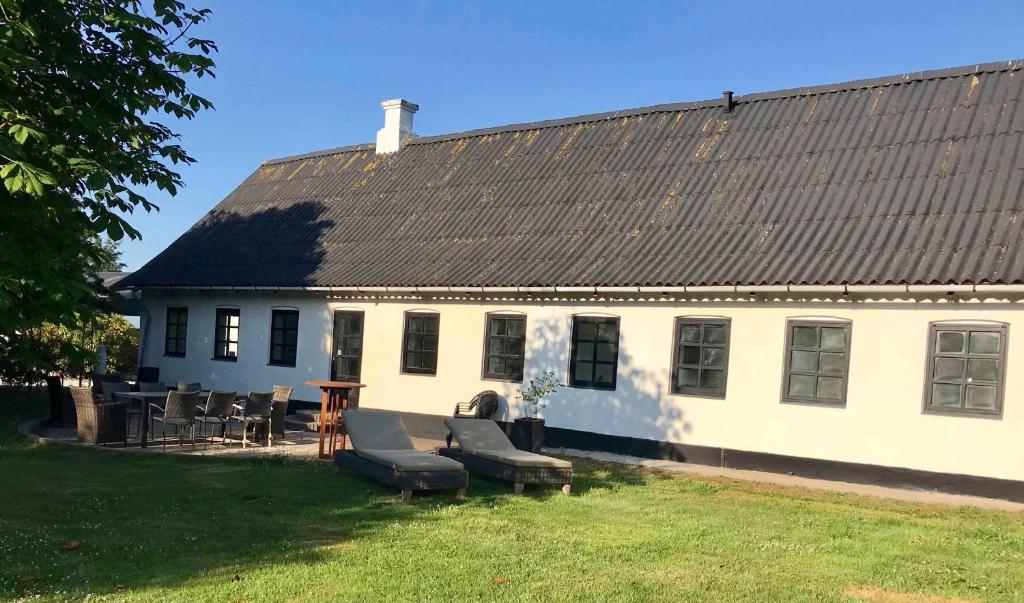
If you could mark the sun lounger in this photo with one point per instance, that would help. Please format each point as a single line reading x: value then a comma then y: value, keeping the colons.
x: 483, y: 448
x: 383, y: 450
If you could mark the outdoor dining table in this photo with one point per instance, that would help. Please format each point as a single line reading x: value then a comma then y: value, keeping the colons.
x: 146, y: 398
x: 333, y: 400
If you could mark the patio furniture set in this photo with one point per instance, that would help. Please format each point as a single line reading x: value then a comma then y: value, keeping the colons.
x: 381, y: 446
x: 106, y: 416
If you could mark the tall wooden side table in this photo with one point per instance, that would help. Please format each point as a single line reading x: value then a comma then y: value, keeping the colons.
x: 333, y: 400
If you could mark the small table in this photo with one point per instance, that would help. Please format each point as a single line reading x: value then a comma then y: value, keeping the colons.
x: 333, y: 400
x: 145, y: 398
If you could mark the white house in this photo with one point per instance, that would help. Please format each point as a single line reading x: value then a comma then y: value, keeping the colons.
x: 823, y: 280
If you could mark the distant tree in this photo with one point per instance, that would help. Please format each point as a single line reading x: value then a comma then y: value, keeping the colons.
x: 83, y: 84
x: 109, y: 256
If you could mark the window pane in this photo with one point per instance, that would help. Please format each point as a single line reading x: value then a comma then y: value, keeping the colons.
x: 686, y: 377
x: 714, y: 334
x: 713, y: 357
x: 172, y: 331
x: 604, y: 373
x: 805, y: 337
x: 412, y: 360
x: 498, y: 326
x: 430, y: 343
x: 949, y: 342
x: 517, y: 327
x: 276, y: 337
x: 496, y: 365
x: 690, y: 334
x: 429, y: 360
x: 983, y: 369
x: 833, y: 338
x: 291, y: 337
x: 832, y: 363
x: 801, y: 385
x: 945, y: 395
x: 494, y: 346
x: 803, y: 361
x: 711, y: 379
x: 948, y: 369
x: 984, y: 342
x: 830, y: 387
x: 982, y: 397
x: 584, y: 371
x: 514, y: 367
x: 606, y: 352
x: 608, y: 331
x: 585, y: 350
x: 587, y: 330
x: 412, y: 342
x: 691, y: 354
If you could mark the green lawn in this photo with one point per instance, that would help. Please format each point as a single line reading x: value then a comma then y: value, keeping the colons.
x: 78, y: 523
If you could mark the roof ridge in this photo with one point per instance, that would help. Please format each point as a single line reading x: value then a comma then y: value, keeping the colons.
x: 889, y: 80
x: 366, y: 146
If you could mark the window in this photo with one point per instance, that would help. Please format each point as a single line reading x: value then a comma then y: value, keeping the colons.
x: 284, y: 336
x: 419, y: 348
x: 348, y: 347
x: 176, y: 332
x: 595, y: 352
x: 225, y: 341
x: 505, y: 347
x: 965, y: 369
x: 817, y: 362
x: 700, y: 356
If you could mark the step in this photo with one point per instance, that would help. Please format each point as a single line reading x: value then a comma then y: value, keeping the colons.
x: 299, y: 424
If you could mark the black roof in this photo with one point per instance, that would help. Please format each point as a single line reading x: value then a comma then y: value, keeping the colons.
x: 911, y: 179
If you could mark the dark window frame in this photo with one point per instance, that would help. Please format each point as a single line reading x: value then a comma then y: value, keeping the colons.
x: 787, y: 370
x: 677, y: 361
x: 407, y: 322
x: 284, y: 346
x: 334, y: 346
x: 218, y: 342
x: 574, y: 352
x: 966, y: 328
x: 487, y: 355
x: 181, y: 341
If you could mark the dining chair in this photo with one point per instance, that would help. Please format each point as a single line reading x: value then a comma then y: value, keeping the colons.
x: 179, y: 412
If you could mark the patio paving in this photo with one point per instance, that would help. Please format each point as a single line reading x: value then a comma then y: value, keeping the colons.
x: 299, y: 444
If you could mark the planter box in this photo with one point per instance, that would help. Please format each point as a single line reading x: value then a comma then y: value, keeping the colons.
x: 528, y: 434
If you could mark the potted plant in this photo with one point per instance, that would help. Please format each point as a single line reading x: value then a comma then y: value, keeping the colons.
x: 528, y: 431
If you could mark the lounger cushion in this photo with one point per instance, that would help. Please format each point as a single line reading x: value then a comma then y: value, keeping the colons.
x: 478, y: 434
x: 376, y: 430
x: 409, y: 460
x: 522, y: 458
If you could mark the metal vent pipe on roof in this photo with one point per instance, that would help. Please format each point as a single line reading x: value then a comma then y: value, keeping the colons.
x: 727, y: 103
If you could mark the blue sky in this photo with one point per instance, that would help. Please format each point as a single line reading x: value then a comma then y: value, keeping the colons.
x: 294, y: 77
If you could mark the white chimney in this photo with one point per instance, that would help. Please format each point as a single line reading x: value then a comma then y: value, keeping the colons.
x: 397, y: 125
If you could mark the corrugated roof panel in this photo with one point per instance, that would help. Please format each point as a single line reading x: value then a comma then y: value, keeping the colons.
x: 914, y: 179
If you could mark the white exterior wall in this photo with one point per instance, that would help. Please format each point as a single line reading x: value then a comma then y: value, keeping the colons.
x: 882, y: 422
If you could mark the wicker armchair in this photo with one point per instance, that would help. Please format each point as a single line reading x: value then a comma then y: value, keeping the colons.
x: 256, y: 412
x: 282, y: 396
x: 99, y: 422
x: 482, y: 406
